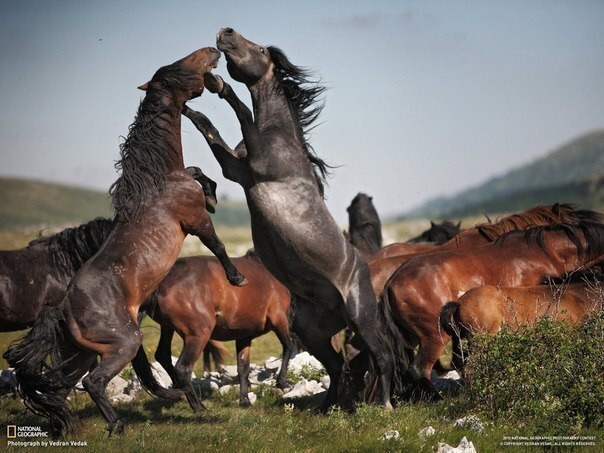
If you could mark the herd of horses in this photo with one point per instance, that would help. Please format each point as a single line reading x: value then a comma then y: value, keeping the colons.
x: 400, y: 304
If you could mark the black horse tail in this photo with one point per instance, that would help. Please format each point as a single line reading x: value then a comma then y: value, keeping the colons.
x: 141, y: 364
x: 452, y: 325
x: 401, y: 353
x: 43, y: 387
x: 450, y: 322
x: 218, y: 352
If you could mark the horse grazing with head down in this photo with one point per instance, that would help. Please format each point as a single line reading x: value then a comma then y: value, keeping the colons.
x: 37, y: 276
x: 438, y: 233
x: 364, y: 225
x: 196, y: 300
x: 419, y: 288
x: 157, y: 203
x: 486, y: 309
x: 294, y: 234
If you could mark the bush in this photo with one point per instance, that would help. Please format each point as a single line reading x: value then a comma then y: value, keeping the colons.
x: 552, y: 374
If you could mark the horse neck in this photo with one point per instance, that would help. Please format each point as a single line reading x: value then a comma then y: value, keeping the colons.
x: 272, y: 110
x: 164, y: 113
x: 564, y: 252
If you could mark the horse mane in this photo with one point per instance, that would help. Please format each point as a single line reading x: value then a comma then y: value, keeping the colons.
x: 71, y: 248
x: 538, y: 215
x: 302, y: 94
x: 593, y: 232
x: 145, y: 162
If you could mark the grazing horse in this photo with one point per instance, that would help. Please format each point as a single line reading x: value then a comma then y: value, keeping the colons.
x: 37, y: 276
x: 157, y: 203
x: 294, y: 234
x: 419, y: 289
x: 364, y: 225
x: 197, y: 301
x: 487, y: 309
x: 438, y: 233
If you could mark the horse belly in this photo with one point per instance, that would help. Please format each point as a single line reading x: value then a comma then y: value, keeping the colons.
x: 297, y: 239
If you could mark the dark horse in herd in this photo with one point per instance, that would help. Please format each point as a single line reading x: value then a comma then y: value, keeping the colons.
x: 157, y: 203
x: 307, y: 277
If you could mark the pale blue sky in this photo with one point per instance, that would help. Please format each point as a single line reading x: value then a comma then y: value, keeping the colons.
x: 425, y: 98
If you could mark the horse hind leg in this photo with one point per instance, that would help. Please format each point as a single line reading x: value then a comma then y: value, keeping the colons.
x: 281, y: 329
x: 243, y: 370
x: 191, y: 351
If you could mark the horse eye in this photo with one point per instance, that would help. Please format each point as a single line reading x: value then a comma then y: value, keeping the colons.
x: 262, y: 49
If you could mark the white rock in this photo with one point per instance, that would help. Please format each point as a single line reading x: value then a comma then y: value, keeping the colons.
x: 428, y: 431
x: 465, y: 446
x: 273, y: 363
x: 304, y: 359
x: 123, y: 398
x: 470, y: 422
x: 391, y: 434
x: 252, y: 397
x: 117, y: 386
x: 325, y: 381
x: 304, y: 388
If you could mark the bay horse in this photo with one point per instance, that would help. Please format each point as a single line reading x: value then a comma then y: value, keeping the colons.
x: 420, y: 287
x: 197, y: 301
x: 156, y: 203
x: 384, y: 263
x: 293, y: 232
x: 364, y: 225
x: 486, y: 309
x: 37, y: 276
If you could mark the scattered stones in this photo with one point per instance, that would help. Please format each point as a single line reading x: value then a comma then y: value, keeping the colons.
x: 465, y: 446
x: 117, y: 386
x: 391, y: 434
x: 304, y: 388
x: 428, y: 431
x: 470, y: 422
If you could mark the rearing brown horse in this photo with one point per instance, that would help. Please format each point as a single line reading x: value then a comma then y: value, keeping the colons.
x: 294, y: 234
x: 157, y: 203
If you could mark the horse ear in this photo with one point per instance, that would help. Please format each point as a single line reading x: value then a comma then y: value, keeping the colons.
x: 459, y: 224
x: 144, y: 86
x: 432, y: 223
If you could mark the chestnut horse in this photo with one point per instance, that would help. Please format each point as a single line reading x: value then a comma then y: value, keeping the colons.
x: 391, y: 257
x: 294, y: 234
x: 196, y: 301
x: 157, y: 203
x: 419, y: 289
x: 486, y: 309
x: 37, y: 276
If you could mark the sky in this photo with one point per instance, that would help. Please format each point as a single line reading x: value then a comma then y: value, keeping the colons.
x: 424, y: 98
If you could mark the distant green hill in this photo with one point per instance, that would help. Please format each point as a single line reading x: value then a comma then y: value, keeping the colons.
x: 27, y: 203
x: 572, y: 173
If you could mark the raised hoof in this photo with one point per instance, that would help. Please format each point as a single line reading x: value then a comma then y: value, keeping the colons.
x: 213, y: 83
x: 116, y: 428
x: 239, y: 280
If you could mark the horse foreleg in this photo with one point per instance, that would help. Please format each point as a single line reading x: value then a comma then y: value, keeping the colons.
x: 430, y: 350
x: 163, y: 353
x: 243, y: 370
x: 207, y: 234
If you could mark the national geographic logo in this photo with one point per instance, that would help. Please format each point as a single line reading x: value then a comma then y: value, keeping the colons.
x: 14, y: 432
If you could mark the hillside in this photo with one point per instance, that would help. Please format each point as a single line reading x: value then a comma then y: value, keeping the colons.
x: 572, y: 173
x: 27, y: 203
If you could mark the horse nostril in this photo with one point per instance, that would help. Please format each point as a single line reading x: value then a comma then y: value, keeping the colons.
x: 227, y: 31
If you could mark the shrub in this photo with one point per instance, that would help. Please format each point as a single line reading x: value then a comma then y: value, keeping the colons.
x: 552, y: 374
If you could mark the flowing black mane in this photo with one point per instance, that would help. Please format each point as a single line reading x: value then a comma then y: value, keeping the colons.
x: 145, y: 161
x: 72, y: 247
x: 593, y: 232
x: 302, y: 94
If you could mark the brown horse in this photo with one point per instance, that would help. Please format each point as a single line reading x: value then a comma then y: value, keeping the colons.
x: 197, y: 301
x: 390, y: 258
x: 157, y: 203
x: 37, y: 276
x: 419, y: 289
x: 487, y: 309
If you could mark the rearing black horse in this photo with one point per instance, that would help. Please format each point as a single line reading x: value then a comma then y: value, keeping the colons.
x: 294, y: 234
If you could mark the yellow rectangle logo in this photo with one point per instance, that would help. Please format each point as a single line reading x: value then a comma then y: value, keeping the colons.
x: 11, y: 431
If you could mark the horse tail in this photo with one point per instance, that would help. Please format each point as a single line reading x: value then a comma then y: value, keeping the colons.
x: 43, y: 387
x: 218, y: 351
x: 401, y: 354
x: 450, y: 322
x: 143, y: 370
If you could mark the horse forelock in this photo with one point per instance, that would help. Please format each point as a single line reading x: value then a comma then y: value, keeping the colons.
x: 303, y: 96
x: 145, y: 160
